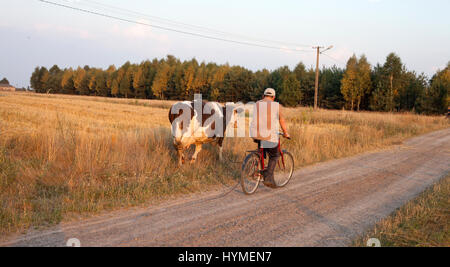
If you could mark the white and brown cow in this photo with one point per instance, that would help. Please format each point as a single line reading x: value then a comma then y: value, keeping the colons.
x: 188, y: 128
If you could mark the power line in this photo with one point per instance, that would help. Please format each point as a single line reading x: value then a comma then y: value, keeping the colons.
x: 202, y: 28
x: 170, y: 29
x: 335, y: 59
x: 196, y: 27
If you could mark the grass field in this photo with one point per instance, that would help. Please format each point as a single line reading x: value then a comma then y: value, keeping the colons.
x: 422, y: 222
x: 62, y: 156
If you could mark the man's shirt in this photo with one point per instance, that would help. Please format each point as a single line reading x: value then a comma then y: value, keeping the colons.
x: 265, y: 124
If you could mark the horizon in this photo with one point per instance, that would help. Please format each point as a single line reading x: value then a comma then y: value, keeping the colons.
x: 49, y: 32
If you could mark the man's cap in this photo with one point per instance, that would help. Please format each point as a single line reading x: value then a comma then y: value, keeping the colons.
x: 270, y: 92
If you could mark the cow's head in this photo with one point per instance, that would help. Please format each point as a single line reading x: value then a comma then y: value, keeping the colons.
x: 180, y: 115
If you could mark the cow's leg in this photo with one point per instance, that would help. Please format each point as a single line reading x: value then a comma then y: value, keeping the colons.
x: 180, y: 157
x: 198, y: 148
x: 220, y: 153
x: 180, y: 153
x: 220, y: 144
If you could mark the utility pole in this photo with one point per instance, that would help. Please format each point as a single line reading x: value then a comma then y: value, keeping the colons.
x: 316, y: 93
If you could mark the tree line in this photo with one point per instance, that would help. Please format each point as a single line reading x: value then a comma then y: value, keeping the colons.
x: 387, y: 87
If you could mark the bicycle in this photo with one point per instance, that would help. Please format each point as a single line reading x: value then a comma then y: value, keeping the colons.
x: 254, y: 163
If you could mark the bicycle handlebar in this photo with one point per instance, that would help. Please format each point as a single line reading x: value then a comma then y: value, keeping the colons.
x: 282, y: 134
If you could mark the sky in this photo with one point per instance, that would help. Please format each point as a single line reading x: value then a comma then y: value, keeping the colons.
x: 34, y: 33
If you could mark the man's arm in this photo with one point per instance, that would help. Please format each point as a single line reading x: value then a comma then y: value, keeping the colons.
x: 283, y: 122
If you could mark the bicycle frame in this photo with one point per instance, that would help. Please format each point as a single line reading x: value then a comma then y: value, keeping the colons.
x: 252, y: 175
x: 261, y: 155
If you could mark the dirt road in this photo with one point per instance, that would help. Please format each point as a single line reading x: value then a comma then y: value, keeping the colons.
x: 327, y: 204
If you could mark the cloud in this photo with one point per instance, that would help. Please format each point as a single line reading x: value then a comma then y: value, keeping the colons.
x: 286, y: 49
x: 139, y: 31
x: 64, y: 30
x: 129, y: 32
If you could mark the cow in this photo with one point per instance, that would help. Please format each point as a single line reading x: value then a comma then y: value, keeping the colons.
x: 192, y: 129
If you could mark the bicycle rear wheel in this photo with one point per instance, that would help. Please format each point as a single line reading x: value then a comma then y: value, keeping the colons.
x: 250, y: 176
x: 283, y: 172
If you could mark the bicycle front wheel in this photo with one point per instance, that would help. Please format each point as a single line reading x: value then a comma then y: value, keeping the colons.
x: 284, y: 170
x: 250, y: 176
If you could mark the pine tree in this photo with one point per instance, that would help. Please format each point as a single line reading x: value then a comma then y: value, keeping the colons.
x: 435, y: 99
x: 44, y: 78
x: 115, y: 88
x: 200, y: 80
x: 378, y: 100
x: 363, y: 81
x: 35, y: 80
x: 110, y: 73
x: 53, y: 84
x: 92, y: 84
x: 349, y: 87
x: 126, y: 84
x: 139, y: 82
x: 188, y: 79
x: 67, y: 83
x: 393, y: 70
x: 291, y: 94
x: 330, y: 95
x: 81, y: 82
x: 160, y: 82
x: 100, y: 83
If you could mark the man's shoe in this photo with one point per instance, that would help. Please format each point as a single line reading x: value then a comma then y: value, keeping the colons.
x: 263, y: 174
x: 267, y: 182
x: 270, y: 183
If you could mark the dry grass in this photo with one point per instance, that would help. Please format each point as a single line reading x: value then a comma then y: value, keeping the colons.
x: 423, y: 222
x: 63, y: 155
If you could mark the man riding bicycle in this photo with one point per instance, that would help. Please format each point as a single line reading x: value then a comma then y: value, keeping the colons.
x: 264, y: 129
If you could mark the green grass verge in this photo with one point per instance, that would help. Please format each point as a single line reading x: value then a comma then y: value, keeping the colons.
x: 422, y: 222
